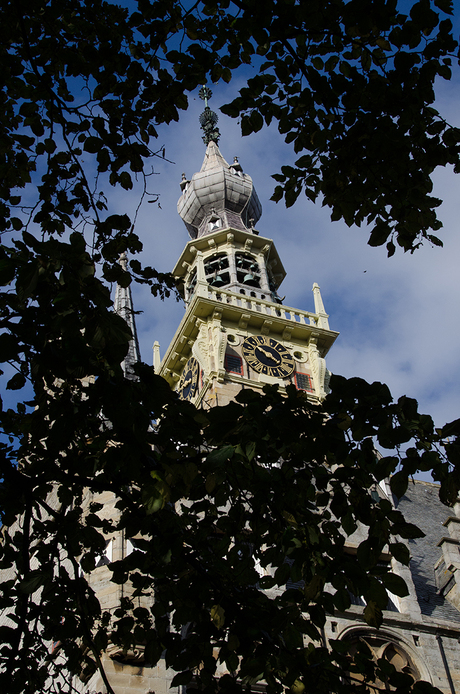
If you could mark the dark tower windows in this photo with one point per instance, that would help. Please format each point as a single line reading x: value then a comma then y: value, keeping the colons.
x: 382, y: 649
x: 233, y: 363
x: 236, y: 271
x: 303, y: 382
x: 247, y: 270
x: 216, y: 270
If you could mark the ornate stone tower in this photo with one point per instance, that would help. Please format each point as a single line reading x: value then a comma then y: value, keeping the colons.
x: 236, y: 333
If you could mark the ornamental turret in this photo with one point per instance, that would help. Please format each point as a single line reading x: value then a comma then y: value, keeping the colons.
x: 236, y: 333
x: 220, y: 208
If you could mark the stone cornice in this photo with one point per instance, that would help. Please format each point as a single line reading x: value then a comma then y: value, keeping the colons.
x: 300, y: 325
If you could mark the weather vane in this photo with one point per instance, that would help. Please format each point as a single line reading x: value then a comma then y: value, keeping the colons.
x: 208, y: 119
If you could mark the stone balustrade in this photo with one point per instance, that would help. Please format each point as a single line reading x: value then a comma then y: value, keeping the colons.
x: 266, y: 308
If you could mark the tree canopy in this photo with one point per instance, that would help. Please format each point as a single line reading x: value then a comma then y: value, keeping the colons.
x: 330, y: 74
x: 86, y: 87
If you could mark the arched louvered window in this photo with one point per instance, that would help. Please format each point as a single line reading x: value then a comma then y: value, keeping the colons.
x: 216, y: 270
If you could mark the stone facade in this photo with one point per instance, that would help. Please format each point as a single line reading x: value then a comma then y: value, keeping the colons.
x: 426, y: 624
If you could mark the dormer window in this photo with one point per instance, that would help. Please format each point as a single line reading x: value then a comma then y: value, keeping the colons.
x: 215, y: 222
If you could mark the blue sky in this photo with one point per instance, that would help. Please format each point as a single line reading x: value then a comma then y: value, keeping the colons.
x: 398, y: 318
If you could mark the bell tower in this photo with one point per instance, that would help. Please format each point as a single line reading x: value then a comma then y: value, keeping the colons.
x: 236, y: 333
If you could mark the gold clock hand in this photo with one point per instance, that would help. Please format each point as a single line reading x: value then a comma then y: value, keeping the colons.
x: 264, y: 351
x: 269, y: 355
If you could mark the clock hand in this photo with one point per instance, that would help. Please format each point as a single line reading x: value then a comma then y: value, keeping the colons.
x: 269, y: 355
x: 264, y: 351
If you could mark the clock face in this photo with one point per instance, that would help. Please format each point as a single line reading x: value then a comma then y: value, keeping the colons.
x: 268, y: 356
x: 189, y: 380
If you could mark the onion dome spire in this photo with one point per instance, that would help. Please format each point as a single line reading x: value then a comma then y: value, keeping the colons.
x: 220, y: 195
x: 208, y: 119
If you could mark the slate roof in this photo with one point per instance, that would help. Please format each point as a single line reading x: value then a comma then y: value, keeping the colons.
x: 421, y: 505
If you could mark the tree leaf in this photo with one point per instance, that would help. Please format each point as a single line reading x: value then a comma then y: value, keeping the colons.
x: 395, y: 584
x: 33, y: 582
x: 400, y: 552
x: 379, y: 234
x: 17, y: 382
x: 373, y: 614
x: 221, y: 455
x: 398, y: 483
x: 218, y: 616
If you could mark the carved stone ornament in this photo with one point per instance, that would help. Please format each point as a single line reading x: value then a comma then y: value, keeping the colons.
x: 318, y: 368
x: 219, y: 340
x: 200, y: 348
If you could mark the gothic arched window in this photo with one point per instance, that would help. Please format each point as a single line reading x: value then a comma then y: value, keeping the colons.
x: 381, y: 649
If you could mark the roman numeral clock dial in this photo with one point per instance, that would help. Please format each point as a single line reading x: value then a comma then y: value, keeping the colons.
x: 189, y: 381
x: 268, y: 356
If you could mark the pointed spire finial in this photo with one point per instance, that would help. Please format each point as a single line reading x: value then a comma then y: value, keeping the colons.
x: 123, y: 260
x: 123, y: 305
x: 208, y: 119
